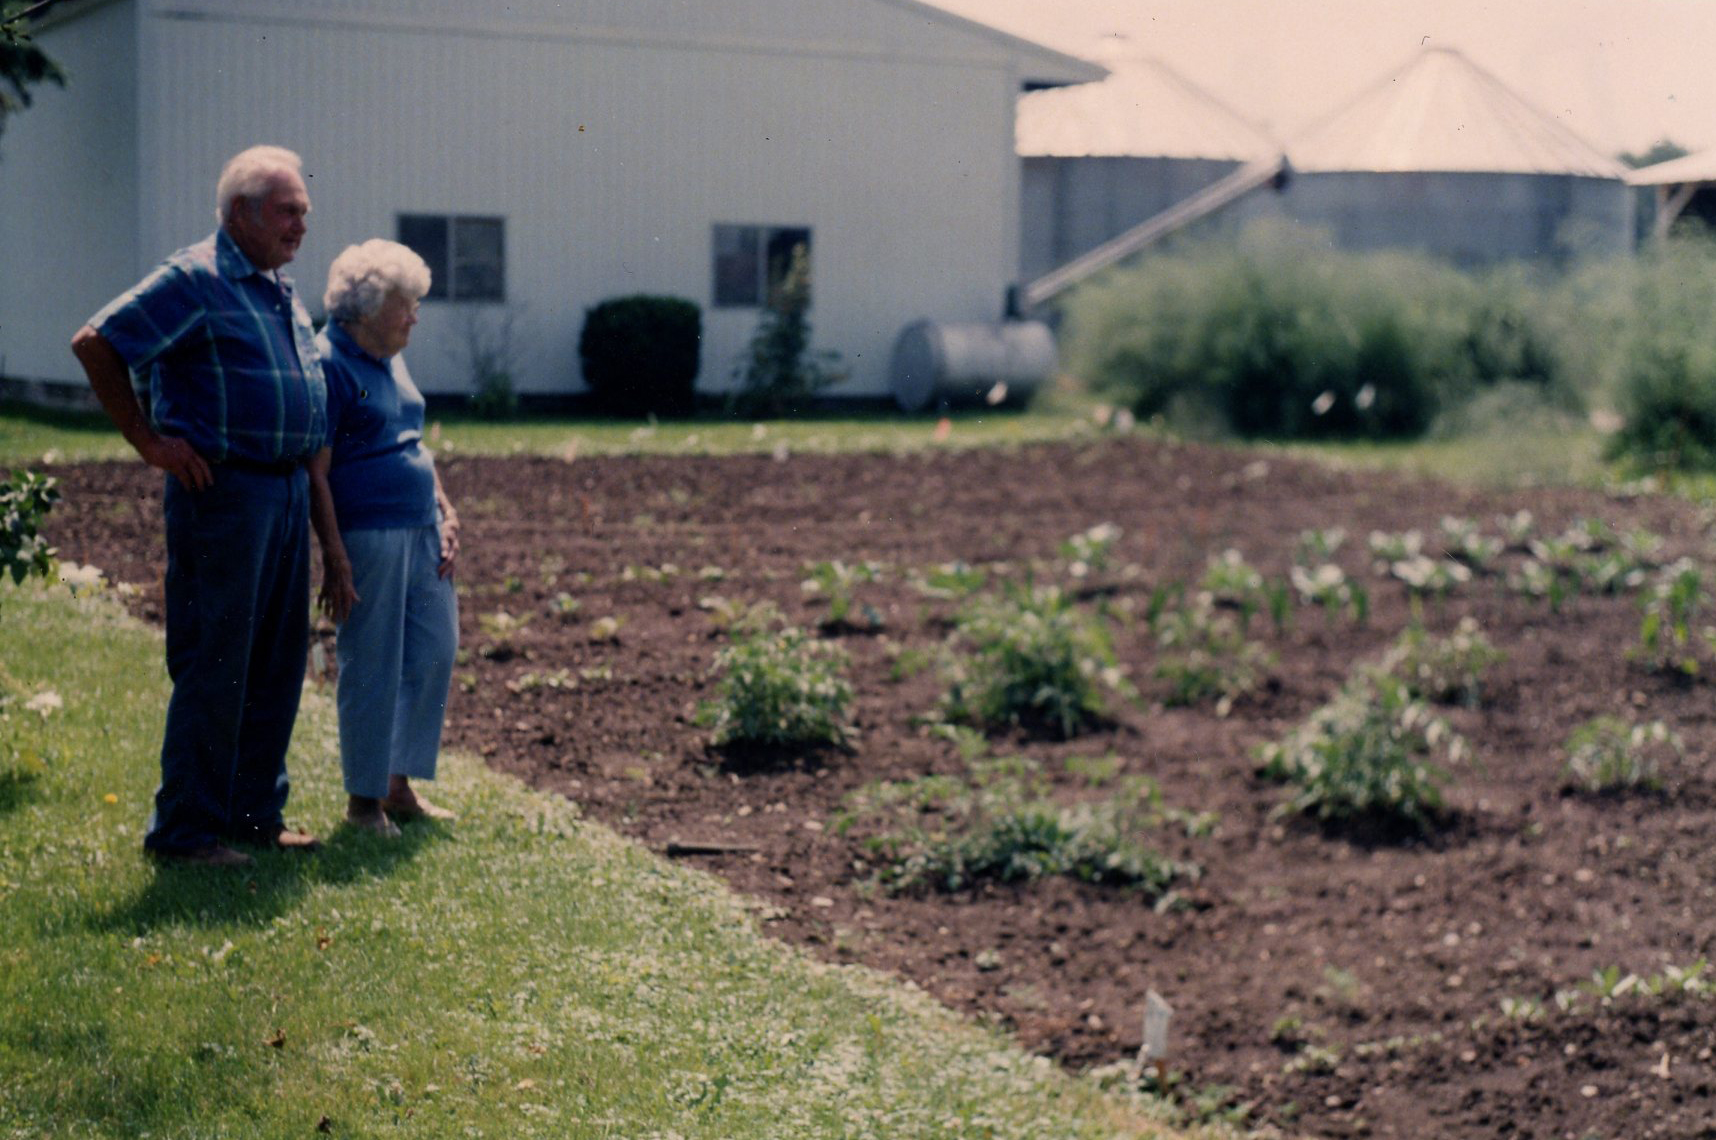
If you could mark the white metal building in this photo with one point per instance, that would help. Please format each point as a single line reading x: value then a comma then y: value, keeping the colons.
x: 544, y: 155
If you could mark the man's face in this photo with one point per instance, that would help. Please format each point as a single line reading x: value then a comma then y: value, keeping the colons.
x: 270, y: 232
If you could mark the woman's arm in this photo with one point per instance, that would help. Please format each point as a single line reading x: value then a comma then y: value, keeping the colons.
x: 338, y: 594
x: 449, y: 528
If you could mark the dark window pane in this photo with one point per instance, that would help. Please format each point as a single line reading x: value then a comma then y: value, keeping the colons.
x: 781, y: 244
x: 737, y: 269
x: 479, y: 259
x: 426, y: 235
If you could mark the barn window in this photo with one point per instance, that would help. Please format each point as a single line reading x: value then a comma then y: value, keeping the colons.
x: 466, y: 255
x: 751, y: 260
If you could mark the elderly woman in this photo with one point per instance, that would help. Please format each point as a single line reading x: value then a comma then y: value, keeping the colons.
x: 389, y: 538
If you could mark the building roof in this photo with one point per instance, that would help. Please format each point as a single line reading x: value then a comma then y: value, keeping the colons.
x: 1442, y: 112
x: 1144, y: 109
x: 1700, y: 167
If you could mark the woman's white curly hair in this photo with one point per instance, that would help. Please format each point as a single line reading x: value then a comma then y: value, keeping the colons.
x: 362, y: 276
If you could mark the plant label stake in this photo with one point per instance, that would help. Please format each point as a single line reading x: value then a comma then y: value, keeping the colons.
x: 1157, y: 1014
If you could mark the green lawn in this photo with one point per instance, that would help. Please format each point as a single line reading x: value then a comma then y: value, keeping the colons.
x: 28, y: 434
x: 520, y: 973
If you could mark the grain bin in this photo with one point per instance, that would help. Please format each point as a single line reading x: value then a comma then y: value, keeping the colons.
x: 966, y: 365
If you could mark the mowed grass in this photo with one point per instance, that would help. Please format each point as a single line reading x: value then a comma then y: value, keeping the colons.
x: 519, y: 973
x: 28, y: 434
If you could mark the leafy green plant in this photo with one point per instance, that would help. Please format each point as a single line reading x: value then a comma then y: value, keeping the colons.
x: 502, y: 629
x: 1387, y: 548
x: 949, y: 580
x: 1444, y: 669
x: 1088, y: 551
x: 1316, y: 547
x: 1328, y: 586
x: 779, y: 687
x: 1430, y: 577
x: 1667, y: 634
x: 1036, y: 660
x: 838, y: 582
x: 1204, y: 654
x: 1606, y: 754
x: 25, y: 499
x: 1233, y: 583
x: 1366, y: 754
x: 1461, y: 539
x: 1535, y: 579
x: 732, y: 616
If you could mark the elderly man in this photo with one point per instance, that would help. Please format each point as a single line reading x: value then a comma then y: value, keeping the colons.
x: 237, y: 405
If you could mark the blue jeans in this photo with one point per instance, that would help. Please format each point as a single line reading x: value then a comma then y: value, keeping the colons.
x: 238, y: 624
x: 395, y: 652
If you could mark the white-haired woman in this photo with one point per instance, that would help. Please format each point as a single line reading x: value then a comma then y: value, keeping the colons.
x: 389, y: 537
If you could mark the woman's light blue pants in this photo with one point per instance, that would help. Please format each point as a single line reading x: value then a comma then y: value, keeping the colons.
x: 395, y: 653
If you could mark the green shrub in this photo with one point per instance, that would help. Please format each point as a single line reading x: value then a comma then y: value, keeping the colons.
x: 1606, y: 754
x: 1036, y: 660
x: 1667, y: 360
x: 1278, y: 335
x: 640, y: 354
x: 1366, y: 755
x: 779, y: 687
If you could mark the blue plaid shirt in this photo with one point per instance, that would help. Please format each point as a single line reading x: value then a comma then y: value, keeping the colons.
x: 229, y: 355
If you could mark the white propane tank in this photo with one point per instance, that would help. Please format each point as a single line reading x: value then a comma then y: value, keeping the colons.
x: 969, y: 365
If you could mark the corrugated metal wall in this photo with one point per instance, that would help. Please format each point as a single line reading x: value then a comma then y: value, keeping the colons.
x: 69, y: 195
x: 611, y: 156
x: 1072, y: 205
x: 1471, y: 220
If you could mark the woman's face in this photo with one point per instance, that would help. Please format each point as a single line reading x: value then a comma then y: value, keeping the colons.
x: 389, y: 328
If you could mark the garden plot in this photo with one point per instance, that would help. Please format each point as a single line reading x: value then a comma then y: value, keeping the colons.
x: 1093, y: 712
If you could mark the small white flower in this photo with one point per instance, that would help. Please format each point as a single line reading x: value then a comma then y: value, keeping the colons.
x: 1321, y: 405
x: 45, y: 703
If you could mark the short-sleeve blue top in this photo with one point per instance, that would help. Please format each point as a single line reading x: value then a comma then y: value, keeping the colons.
x: 381, y: 476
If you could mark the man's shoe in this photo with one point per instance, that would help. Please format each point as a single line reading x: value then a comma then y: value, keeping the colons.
x: 214, y: 855
x: 286, y: 839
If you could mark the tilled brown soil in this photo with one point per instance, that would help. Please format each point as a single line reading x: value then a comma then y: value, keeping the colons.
x: 1338, y: 984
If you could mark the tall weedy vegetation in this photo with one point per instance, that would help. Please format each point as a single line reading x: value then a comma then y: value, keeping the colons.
x: 1277, y: 335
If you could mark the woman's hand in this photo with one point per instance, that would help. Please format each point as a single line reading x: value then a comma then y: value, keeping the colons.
x: 338, y: 595
x: 449, y: 539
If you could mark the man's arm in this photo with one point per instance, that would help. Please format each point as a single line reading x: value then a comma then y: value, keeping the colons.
x: 110, y: 379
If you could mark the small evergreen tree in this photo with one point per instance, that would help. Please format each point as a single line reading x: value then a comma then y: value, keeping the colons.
x: 782, y: 374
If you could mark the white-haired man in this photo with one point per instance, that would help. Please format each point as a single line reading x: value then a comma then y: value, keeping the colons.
x: 237, y: 405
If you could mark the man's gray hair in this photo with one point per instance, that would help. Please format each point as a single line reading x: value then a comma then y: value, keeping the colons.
x: 250, y: 175
x: 363, y: 275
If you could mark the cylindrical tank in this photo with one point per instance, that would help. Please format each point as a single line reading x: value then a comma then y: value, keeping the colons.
x: 963, y: 365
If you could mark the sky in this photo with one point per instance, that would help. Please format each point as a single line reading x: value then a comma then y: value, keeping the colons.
x: 1622, y: 74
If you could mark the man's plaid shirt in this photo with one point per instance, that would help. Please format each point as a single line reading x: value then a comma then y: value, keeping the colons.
x: 229, y: 355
